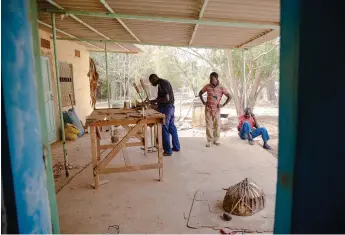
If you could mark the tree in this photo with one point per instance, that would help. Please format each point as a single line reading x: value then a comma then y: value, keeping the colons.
x: 190, y: 68
x: 123, y: 70
x: 262, y: 66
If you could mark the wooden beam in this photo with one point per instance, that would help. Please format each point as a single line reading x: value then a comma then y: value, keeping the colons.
x: 85, y: 24
x: 111, y: 170
x: 120, y: 122
x: 201, y: 13
x: 132, y: 144
x: 121, y: 144
x: 94, y: 154
x: 138, y: 136
x: 106, y: 5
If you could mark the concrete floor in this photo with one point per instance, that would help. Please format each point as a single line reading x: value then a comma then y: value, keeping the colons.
x: 138, y: 203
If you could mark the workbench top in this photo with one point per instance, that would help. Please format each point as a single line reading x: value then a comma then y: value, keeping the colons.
x: 113, y: 114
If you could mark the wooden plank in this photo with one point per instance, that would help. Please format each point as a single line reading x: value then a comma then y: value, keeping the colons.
x: 126, y: 121
x: 121, y: 144
x: 160, y: 151
x: 131, y: 144
x: 130, y: 168
x: 134, y: 144
x: 109, y: 113
x: 94, y: 155
x: 138, y: 136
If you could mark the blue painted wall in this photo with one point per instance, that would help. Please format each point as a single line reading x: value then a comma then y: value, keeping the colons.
x: 22, y: 119
x: 311, y: 168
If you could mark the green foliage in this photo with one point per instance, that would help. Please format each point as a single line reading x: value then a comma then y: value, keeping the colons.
x: 190, y: 68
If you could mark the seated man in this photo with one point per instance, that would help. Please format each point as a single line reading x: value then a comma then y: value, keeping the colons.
x: 249, y: 128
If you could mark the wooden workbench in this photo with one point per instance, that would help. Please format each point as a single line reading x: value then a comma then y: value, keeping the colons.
x: 133, y: 121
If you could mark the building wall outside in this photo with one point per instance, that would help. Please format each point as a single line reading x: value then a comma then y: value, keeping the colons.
x: 66, y: 53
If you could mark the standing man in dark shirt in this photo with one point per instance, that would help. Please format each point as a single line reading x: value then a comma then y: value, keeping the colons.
x: 165, y: 100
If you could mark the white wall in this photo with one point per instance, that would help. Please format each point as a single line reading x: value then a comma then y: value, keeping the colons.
x: 66, y: 53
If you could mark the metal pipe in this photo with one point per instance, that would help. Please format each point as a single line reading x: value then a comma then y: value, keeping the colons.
x: 244, y: 79
x: 201, y: 13
x: 57, y: 76
x: 106, y: 73
x: 139, y: 43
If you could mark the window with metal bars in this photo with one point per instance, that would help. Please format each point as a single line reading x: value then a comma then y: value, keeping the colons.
x: 66, y: 84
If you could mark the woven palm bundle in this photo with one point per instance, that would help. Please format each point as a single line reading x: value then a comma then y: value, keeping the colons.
x: 244, y: 198
x: 93, y: 78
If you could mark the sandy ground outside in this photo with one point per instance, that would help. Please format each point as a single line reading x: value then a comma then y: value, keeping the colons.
x: 138, y: 203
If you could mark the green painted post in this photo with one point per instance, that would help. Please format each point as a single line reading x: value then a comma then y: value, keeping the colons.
x: 59, y: 94
x: 43, y: 120
x: 106, y: 73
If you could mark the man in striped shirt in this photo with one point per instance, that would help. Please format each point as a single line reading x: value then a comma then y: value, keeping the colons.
x: 212, y: 110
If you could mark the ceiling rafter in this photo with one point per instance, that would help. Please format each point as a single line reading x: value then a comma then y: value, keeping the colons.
x: 106, y: 5
x: 85, y: 24
x: 259, y: 36
x: 69, y: 35
x: 201, y: 13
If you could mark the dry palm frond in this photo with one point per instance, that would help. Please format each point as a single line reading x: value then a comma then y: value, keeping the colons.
x: 244, y: 198
x: 93, y: 78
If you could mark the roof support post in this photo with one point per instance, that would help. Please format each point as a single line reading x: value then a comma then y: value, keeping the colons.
x: 244, y: 79
x: 201, y: 13
x: 106, y: 73
x: 57, y: 76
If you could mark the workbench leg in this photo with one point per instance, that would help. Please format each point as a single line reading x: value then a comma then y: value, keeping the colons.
x: 155, y: 135
x: 152, y: 137
x: 160, y: 151
x: 94, y: 154
x: 146, y: 140
x: 98, y: 150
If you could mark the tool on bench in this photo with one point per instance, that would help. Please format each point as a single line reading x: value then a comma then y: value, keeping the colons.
x: 144, y: 102
x: 144, y: 88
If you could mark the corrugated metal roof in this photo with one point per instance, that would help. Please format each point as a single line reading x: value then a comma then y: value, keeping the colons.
x: 161, y: 33
x: 228, y: 37
x: 109, y: 27
x: 176, y: 8
x: 253, y: 12
x: 92, y: 46
x: 244, y: 10
x: 69, y: 25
